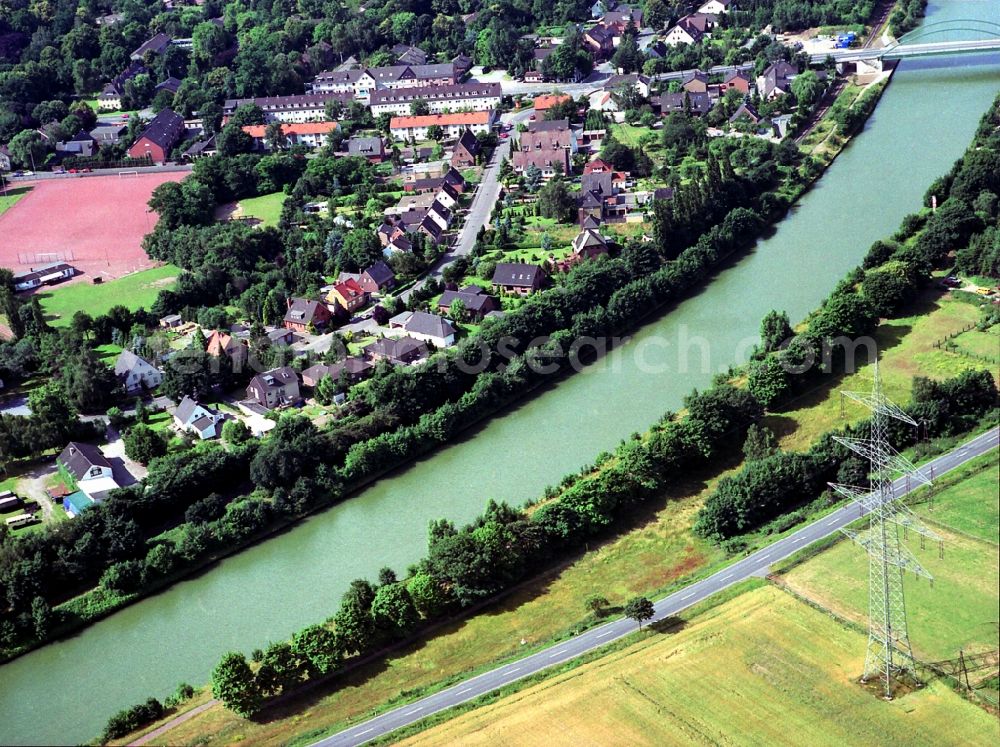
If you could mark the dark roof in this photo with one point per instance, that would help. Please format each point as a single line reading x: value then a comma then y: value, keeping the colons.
x: 408, y: 55
x: 155, y: 44
x: 470, y: 142
x: 302, y: 310
x: 674, y: 102
x: 276, y: 378
x: 549, y: 125
x: 398, y: 349
x: 365, y: 146
x: 380, y: 273
x: 598, y: 182
x: 458, y: 91
x: 454, y: 177
x: 353, y: 366
x: 519, y: 275
x: 288, y: 103
x: 170, y: 84
x: 165, y: 129
x: 78, y: 458
x: 472, y: 297
x: 440, y: 70
x: 185, y: 409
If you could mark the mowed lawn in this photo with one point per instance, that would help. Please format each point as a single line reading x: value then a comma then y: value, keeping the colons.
x: 10, y: 198
x: 960, y: 610
x: 760, y: 669
x: 970, y: 505
x: 266, y: 208
x: 131, y: 291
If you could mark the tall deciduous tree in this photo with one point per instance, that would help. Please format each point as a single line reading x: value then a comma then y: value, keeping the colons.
x: 639, y: 609
x: 234, y: 684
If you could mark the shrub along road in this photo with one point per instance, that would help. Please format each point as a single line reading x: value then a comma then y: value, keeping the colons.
x: 755, y: 564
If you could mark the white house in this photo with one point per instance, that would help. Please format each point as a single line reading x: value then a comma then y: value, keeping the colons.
x: 439, y: 99
x: 715, y: 7
x: 423, y: 326
x: 136, y: 373
x: 417, y: 127
x: 358, y: 83
x: 89, y: 468
x: 198, y: 419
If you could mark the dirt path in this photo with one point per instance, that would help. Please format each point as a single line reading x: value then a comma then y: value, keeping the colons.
x: 176, y: 721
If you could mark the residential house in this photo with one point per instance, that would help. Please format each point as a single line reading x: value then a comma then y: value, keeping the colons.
x: 408, y: 55
x: 310, y: 134
x: 170, y: 321
x: 305, y: 312
x: 695, y: 104
x: 110, y: 97
x: 639, y: 82
x: 439, y: 214
x: 398, y: 245
x: 475, y: 300
x: 370, y: 148
x: 432, y: 229
x: 690, y: 29
x: 373, y: 280
x: 135, y: 373
x: 546, y: 101
x: 427, y: 327
x: 447, y: 195
x: 398, y: 351
x: 44, y: 275
x: 472, y: 96
x: 455, y: 180
x: 295, y: 109
x: 89, y: 469
x: 589, y: 244
x: 159, y: 137
x: 466, y: 150
x: 357, y: 83
x: 201, y: 149
x: 461, y: 63
x: 108, y: 133
x: 156, y: 44
x: 735, y: 80
x: 224, y: 344
x: 519, y: 279
x: 80, y: 145
x: 746, y: 112
x: 195, y: 418
x: 417, y: 127
x: 278, y: 387
x: 776, y: 80
x: 388, y: 231
x: 595, y: 187
x: 715, y: 7
x: 695, y: 82
x: 347, y: 295
x: 599, y: 41
x: 546, y: 145
x: 350, y: 370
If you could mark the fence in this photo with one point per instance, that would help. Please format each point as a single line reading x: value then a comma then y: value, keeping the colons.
x: 948, y: 343
x: 33, y: 259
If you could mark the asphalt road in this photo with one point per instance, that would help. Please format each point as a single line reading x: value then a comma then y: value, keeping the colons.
x: 756, y: 564
x: 480, y: 210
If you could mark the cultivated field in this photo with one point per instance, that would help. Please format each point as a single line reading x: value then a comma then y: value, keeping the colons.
x: 761, y: 669
x: 94, y: 223
x: 960, y: 611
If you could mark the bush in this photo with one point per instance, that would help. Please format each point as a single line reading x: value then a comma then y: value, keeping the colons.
x: 128, y: 720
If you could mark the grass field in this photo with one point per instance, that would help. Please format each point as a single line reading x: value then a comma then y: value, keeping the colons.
x: 267, y: 208
x: 966, y: 500
x: 760, y: 669
x: 9, y: 198
x: 960, y: 610
x: 907, y: 348
x: 132, y: 291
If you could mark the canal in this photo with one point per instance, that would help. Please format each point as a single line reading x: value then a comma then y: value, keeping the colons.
x: 64, y: 692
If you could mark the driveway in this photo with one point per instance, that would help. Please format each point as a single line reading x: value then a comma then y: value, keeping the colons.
x: 126, y: 471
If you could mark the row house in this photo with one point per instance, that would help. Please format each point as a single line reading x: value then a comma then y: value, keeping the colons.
x: 439, y: 99
x: 310, y: 134
x: 453, y: 125
x: 360, y: 83
x: 546, y: 145
x: 159, y: 137
x: 308, y: 107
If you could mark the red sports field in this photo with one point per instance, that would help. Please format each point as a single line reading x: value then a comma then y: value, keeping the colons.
x: 94, y: 223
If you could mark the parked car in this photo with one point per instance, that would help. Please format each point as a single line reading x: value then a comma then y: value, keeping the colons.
x: 952, y: 282
x: 984, y: 291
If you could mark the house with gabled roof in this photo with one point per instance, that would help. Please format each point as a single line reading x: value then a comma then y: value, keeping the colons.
x: 776, y: 80
x: 351, y: 369
x: 303, y: 312
x: 193, y: 417
x: 518, y: 279
x: 347, y: 295
x: 224, y: 344
x: 159, y: 137
x: 427, y: 327
x: 476, y: 301
x: 136, y: 373
x: 88, y: 469
x: 398, y: 351
x: 466, y: 150
x: 278, y: 387
x: 157, y: 44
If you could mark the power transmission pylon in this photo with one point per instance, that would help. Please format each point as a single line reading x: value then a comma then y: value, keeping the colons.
x: 889, y: 654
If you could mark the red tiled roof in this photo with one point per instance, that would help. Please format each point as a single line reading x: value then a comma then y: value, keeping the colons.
x: 303, y: 128
x: 426, y: 120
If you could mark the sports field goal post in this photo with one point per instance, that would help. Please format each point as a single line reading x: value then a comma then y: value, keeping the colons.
x: 126, y: 174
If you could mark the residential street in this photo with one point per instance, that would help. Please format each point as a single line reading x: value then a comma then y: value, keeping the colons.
x: 756, y: 564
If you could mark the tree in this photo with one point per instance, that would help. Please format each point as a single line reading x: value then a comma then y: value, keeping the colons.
x: 143, y: 444
x: 420, y: 108
x: 27, y: 149
x: 759, y: 443
x: 235, y: 432
x: 233, y: 683
x: 232, y: 140
x: 393, y: 611
x: 532, y: 178
x: 326, y: 390
x: 639, y: 609
x: 428, y: 596
x: 41, y: 617
x: 275, y: 136
x: 353, y: 621
x: 435, y: 132
x: 317, y: 647
x: 767, y: 380
x: 774, y: 330
x: 457, y: 310
x: 556, y: 201
x: 596, y: 604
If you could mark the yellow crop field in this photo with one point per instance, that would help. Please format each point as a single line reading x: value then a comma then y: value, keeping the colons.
x: 761, y: 669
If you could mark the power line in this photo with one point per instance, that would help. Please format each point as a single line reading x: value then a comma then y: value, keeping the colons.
x: 889, y: 655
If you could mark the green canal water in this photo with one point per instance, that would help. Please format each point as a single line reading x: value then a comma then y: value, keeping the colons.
x: 64, y: 692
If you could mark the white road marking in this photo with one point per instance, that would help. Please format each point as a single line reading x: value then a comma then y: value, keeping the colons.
x: 415, y: 710
x: 514, y: 669
x: 362, y: 733
x: 554, y: 654
x: 726, y: 578
x: 688, y: 596
x: 765, y: 557
x: 831, y: 523
x: 606, y: 632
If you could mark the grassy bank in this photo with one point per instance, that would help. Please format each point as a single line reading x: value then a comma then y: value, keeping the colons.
x: 10, y: 197
x: 132, y: 291
x: 266, y: 208
x: 755, y: 670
